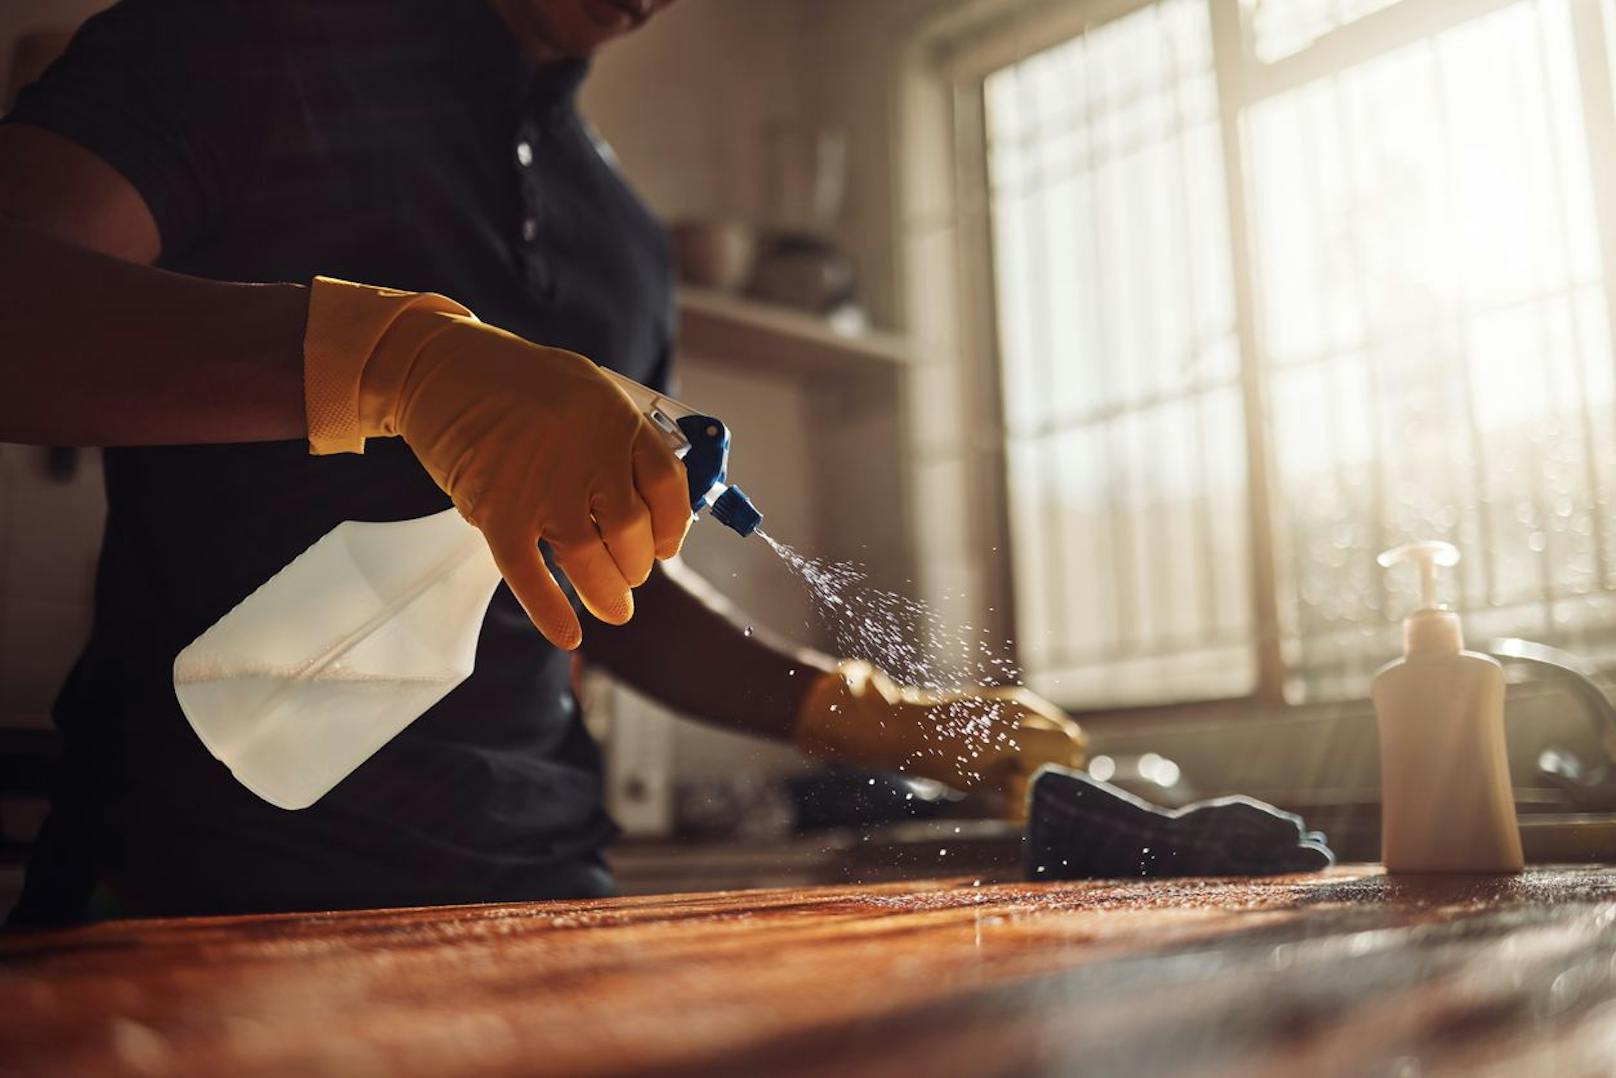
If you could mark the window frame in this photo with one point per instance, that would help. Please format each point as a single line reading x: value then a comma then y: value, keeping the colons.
x: 956, y: 54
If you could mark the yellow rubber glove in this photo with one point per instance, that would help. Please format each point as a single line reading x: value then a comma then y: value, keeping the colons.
x: 987, y: 738
x: 530, y: 442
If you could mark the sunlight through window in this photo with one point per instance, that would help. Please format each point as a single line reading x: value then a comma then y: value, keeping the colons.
x: 1119, y: 362
x: 1432, y: 331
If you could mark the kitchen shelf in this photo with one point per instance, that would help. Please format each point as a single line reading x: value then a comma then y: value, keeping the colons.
x: 719, y: 326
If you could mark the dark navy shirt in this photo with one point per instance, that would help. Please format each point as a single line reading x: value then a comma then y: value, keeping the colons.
x: 395, y: 142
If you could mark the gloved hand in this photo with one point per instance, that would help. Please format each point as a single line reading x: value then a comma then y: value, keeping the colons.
x: 987, y: 738
x: 530, y: 442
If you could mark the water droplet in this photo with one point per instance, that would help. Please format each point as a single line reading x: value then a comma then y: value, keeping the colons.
x: 909, y: 641
x: 748, y: 631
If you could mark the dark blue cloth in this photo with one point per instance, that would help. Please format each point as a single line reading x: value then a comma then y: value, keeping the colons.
x: 1080, y: 828
x: 396, y: 142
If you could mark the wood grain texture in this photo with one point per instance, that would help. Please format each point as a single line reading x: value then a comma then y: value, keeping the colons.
x: 1346, y: 972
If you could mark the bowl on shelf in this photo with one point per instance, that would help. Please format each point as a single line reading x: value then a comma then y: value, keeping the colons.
x: 715, y: 254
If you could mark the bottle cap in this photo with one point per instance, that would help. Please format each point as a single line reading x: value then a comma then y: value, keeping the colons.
x: 1430, y: 629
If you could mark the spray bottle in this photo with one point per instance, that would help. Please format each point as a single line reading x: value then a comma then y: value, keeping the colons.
x: 354, y: 640
x: 1446, y: 800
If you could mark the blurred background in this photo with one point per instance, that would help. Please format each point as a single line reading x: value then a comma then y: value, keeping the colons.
x: 1127, y: 331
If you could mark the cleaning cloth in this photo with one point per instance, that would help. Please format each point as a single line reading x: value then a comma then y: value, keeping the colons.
x: 1081, y: 828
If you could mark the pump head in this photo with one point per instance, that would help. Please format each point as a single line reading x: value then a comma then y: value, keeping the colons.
x: 1430, y: 629
x: 1426, y: 555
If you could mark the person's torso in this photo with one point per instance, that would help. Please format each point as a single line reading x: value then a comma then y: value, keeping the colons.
x: 423, y: 158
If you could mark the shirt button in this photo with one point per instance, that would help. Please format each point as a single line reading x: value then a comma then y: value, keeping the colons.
x: 524, y: 153
x: 530, y: 229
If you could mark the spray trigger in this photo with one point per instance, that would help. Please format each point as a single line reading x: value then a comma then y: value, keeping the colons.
x: 701, y: 443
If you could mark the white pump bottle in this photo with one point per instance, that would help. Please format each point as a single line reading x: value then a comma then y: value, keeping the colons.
x: 1446, y: 800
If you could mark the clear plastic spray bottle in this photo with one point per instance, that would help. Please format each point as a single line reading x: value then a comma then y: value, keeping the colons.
x: 331, y: 657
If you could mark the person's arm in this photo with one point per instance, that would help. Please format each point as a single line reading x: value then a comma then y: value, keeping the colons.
x: 687, y: 648
x: 100, y: 349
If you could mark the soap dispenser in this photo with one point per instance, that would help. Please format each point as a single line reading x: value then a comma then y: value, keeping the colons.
x: 1446, y: 800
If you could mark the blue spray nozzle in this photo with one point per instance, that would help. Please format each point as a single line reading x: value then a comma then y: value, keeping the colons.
x: 735, y: 510
x: 706, y: 466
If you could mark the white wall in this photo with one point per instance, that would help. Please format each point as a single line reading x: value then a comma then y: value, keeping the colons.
x: 858, y: 49
x: 688, y: 102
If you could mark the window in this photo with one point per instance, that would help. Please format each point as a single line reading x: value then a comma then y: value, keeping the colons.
x: 1429, y: 337
x: 1122, y: 404
x: 1281, y: 28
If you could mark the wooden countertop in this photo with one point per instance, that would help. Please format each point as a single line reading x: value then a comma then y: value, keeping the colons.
x: 1346, y: 972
